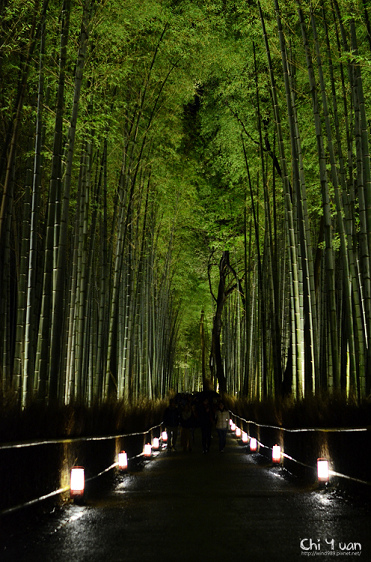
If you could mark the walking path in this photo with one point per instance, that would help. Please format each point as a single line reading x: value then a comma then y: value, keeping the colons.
x: 193, y: 507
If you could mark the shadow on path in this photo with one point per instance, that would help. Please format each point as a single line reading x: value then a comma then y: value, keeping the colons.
x: 190, y: 506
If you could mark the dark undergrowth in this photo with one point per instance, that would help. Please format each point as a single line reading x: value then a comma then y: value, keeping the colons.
x: 113, y: 418
x: 76, y: 420
x: 316, y: 411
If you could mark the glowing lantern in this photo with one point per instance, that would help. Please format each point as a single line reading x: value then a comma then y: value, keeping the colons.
x: 147, y: 450
x: 233, y: 427
x: 155, y: 443
x: 123, y: 460
x: 77, y: 481
x: 276, y: 454
x: 322, y: 470
x: 244, y: 437
x: 238, y: 432
x: 253, y: 444
x: 164, y: 436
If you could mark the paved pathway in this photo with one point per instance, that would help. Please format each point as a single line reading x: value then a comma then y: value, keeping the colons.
x: 193, y: 507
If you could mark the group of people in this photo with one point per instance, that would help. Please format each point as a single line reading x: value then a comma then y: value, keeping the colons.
x: 188, y: 413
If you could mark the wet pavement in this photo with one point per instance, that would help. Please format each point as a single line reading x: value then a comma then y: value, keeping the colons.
x: 193, y: 507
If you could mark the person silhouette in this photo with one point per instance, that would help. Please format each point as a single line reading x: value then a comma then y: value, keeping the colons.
x: 171, y: 422
x: 222, y: 421
x: 206, y: 419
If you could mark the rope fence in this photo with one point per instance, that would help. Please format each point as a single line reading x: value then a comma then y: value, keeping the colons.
x: 304, y: 429
x: 8, y: 446
x: 68, y: 441
x: 325, y: 430
x: 74, y: 440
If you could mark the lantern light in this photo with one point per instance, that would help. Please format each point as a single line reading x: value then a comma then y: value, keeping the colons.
x: 77, y: 481
x: 322, y: 470
x: 164, y: 436
x: 253, y: 444
x: 123, y: 460
x: 244, y: 437
x: 155, y: 443
x: 276, y: 454
x: 147, y: 450
x: 238, y: 432
x: 233, y: 427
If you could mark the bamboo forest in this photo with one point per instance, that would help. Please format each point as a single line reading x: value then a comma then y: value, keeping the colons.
x: 185, y: 199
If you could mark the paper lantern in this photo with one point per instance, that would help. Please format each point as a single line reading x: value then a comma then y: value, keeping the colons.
x: 233, y: 427
x: 77, y: 486
x: 123, y: 460
x: 253, y: 444
x: 164, y: 436
x: 155, y: 443
x: 322, y: 470
x: 147, y: 450
x: 238, y: 432
x: 276, y: 454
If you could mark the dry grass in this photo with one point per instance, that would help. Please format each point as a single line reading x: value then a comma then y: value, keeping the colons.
x: 113, y: 418
x: 321, y: 411
x: 76, y: 420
